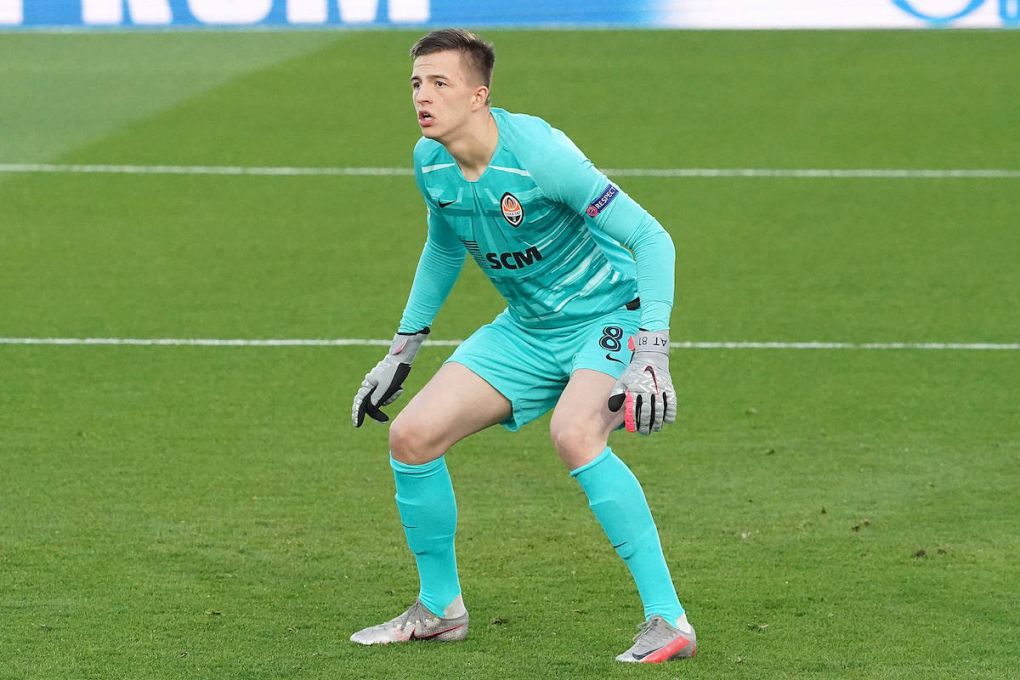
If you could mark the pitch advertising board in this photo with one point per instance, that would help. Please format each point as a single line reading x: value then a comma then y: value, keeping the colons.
x: 707, y: 14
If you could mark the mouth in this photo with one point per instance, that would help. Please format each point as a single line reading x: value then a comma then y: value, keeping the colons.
x: 425, y: 119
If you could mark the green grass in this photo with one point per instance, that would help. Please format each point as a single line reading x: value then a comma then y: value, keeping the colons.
x: 62, y: 91
x: 210, y: 513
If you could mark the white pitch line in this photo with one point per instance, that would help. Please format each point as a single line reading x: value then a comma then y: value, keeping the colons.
x: 285, y: 171
x: 958, y: 346
x: 360, y: 342
x: 819, y: 173
x: 57, y: 168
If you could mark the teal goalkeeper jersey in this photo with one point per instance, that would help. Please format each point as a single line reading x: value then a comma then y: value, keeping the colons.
x: 557, y: 239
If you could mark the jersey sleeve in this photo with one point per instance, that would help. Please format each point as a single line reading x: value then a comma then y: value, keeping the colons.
x: 438, y: 268
x: 566, y: 175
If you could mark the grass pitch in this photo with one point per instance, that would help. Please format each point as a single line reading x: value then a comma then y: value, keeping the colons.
x: 209, y: 512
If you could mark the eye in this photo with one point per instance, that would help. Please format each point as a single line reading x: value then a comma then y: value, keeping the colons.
x: 440, y: 83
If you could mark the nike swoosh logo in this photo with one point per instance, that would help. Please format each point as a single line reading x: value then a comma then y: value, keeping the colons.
x: 612, y: 358
x: 649, y: 371
x: 432, y: 635
x: 443, y: 205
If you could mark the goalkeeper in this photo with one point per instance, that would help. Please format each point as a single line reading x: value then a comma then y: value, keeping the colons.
x: 588, y: 279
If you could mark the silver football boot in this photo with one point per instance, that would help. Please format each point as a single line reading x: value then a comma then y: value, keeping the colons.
x: 418, y: 623
x: 658, y: 641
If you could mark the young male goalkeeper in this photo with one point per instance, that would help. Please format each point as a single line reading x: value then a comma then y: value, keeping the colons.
x: 586, y: 274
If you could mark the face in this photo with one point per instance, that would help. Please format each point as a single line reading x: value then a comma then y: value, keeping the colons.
x: 445, y: 93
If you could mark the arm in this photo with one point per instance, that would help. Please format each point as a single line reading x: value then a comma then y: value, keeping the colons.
x: 654, y: 254
x: 645, y: 390
x: 566, y: 175
x: 440, y: 264
x: 438, y: 268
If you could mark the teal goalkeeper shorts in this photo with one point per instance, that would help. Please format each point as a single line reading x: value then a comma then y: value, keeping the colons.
x: 531, y: 367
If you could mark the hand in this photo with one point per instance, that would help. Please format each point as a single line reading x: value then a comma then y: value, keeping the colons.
x: 645, y: 389
x: 383, y: 383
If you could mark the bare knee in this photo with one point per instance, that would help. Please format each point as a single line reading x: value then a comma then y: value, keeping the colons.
x: 413, y: 442
x: 577, y: 443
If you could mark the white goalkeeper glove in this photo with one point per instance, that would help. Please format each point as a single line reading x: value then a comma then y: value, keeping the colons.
x: 383, y: 383
x: 645, y: 390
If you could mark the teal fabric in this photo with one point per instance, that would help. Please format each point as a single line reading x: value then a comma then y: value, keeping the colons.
x: 615, y: 496
x: 531, y: 367
x: 428, y: 511
x: 579, y: 246
x: 438, y: 268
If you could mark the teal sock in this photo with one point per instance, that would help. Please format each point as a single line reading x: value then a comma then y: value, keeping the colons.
x: 428, y: 511
x: 615, y: 496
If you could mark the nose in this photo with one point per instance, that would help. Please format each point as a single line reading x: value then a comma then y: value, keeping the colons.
x: 421, y: 94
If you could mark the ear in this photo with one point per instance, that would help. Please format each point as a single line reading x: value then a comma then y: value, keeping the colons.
x: 479, y: 98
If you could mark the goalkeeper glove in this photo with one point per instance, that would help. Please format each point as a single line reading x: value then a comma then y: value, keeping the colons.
x: 382, y: 385
x: 645, y: 390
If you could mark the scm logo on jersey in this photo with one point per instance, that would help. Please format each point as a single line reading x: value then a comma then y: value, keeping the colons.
x: 514, y: 260
x: 513, y: 211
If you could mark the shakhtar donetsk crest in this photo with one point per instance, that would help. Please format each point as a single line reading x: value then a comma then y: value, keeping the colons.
x: 513, y: 211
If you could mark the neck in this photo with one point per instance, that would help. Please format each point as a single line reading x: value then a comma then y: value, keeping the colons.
x: 474, y: 145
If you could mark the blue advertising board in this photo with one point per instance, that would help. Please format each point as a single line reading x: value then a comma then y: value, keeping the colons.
x: 106, y: 14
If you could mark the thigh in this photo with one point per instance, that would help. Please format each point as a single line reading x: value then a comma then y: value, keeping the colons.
x: 453, y: 404
x: 582, y: 422
x: 518, y: 364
